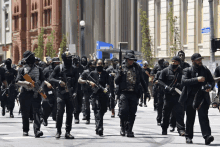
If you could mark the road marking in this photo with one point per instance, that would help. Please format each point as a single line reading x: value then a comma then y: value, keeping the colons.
x: 17, y: 137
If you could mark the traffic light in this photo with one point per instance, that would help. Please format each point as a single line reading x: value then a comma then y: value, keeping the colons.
x: 215, y: 44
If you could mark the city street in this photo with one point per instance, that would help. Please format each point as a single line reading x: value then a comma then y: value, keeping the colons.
x: 147, y: 133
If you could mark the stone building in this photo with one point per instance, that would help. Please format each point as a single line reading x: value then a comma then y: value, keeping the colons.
x: 5, y: 29
x: 110, y: 21
x: 29, y: 16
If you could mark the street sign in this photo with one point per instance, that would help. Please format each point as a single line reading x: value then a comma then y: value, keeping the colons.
x: 5, y: 48
x: 72, y: 48
x: 103, y: 45
x: 205, y: 30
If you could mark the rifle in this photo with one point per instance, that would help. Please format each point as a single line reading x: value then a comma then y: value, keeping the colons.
x: 4, y: 90
x: 99, y: 86
x: 35, y: 85
x: 164, y: 85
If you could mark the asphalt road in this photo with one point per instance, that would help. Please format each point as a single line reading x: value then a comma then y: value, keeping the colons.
x: 147, y: 133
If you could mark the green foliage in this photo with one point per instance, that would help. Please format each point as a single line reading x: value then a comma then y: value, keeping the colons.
x: 50, y: 51
x: 174, y: 35
x: 39, y: 51
x: 63, y: 45
x: 146, y: 38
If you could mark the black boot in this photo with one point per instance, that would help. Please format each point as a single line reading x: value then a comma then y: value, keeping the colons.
x: 58, y: 134
x: 164, y: 131
x: 122, y: 131
x: 76, y: 116
x: 172, y: 129
x: 3, y: 111
x: 209, y: 139
x: 44, y: 122
x: 11, y: 114
x: 100, y: 132
x: 38, y: 134
x: 130, y: 127
x: 88, y: 121
x: 25, y: 133
x: 68, y: 136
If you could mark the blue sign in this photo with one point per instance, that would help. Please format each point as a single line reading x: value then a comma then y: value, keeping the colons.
x: 102, y: 45
x: 205, y: 30
x: 140, y: 62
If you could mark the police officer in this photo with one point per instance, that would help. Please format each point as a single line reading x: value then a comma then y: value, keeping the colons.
x: 10, y: 75
x: 87, y: 90
x: 79, y: 97
x: 170, y: 78
x: 112, y: 70
x: 146, y: 74
x: 128, y: 78
x: 49, y: 104
x: 99, y: 97
x: 28, y: 95
x: 66, y: 76
x: 196, y: 97
x: 157, y: 67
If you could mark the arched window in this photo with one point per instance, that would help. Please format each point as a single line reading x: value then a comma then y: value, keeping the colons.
x: 14, y: 9
x: 35, y: 5
x: 48, y: 2
x: 32, y: 6
x: 17, y: 9
x: 45, y: 2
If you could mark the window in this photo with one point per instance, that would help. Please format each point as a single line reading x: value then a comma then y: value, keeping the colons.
x: 6, y: 21
x: 17, y: 9
x: 48, y: 2
x: 16, y: 20
x: 200, y: 21
x: 14, y: 9
x: 36, y: 20
x: 158, y: 22
x: 45, y: 13
x: 35, y: 5
x: 32, y: 6
x: 185, y: 21
x: 50, y: 16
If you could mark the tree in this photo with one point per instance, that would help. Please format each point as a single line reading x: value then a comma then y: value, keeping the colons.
x: 40, y: 49
x: 146, y: 38
x: 174, y: 35
x: 50, y: 51
x: 63, y: 46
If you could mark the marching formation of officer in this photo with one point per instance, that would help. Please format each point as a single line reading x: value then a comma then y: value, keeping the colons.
x: 51, y: 88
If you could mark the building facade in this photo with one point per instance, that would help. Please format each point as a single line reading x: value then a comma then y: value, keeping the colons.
x: 29, y: 16
x: 192, y: 17
x: 5, y: 29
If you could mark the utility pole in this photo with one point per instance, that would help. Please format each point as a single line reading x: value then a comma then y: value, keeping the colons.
x: 212, y: 54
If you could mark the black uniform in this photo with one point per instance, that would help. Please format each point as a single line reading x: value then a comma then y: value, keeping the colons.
x: 87, y: 92
x: 192, y: 86
x: 112, y: 86
x: 183, y: 65
x: 156, y: 68
x: 128, y: 81
x: 49, y: 105
x: 99, y: 99
x: 217, y: 74
x: 79, y: 97
x: 10, y: 75
x: 29, y: 97
x: 64, y: 97
x: 146, y: 78
x: 3, y: 98
x: 172, y: 79
x: 160, y: 97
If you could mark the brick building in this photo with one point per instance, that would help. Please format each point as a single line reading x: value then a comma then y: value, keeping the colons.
x: 29, y: 16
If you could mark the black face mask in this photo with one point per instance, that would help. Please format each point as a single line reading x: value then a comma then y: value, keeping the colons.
x: 99, y: 68
x: 67, y: 62
x: 31, y: 60
x: 174, y: 66
x: 84, y: 62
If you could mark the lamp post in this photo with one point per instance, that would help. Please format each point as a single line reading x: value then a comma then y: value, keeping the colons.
x: 82, y: 24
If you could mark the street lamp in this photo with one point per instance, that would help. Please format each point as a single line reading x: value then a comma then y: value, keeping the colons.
x: 82, y: 24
